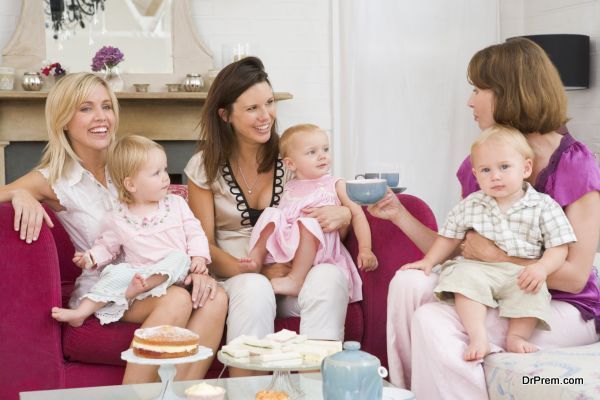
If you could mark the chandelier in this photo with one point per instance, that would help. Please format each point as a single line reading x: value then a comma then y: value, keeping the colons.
x: 68, y: 15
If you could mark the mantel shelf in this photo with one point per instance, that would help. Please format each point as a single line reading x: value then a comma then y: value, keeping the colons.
x: 169, y: 116
x: 192, y: 96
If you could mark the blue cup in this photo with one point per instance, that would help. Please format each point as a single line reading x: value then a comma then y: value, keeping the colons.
x: 366, y: 191
x: 392, y: 178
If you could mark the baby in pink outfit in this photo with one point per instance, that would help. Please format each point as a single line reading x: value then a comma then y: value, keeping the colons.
x: 156, y: 234
x: 284, y: 234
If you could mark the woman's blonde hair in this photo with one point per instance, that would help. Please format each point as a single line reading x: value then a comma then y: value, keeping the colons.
x: 125, y: 159
x: 61, y: 105
x: 291, y: 132
x: 506, y: 135
x: 529, y: 95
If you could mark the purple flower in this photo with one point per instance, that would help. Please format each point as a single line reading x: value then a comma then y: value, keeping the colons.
x: 59, y: 71
x: 107, y: 56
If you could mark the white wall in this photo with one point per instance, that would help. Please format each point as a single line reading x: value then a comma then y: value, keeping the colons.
x: 9, y: 15
x: 292, y: 37
x: 531, y: 17
x: 403, y: 91
x: 293, y: 40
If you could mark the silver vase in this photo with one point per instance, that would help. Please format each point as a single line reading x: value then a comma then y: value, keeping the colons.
x: 193, y: 83
x: 112, y: 75
x: 32, y: 81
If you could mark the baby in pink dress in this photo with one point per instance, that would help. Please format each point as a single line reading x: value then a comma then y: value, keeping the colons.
x: 156, y: 234
x: 284, y: 234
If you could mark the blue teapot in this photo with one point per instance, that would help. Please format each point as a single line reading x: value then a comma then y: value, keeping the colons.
x: 352, y: 375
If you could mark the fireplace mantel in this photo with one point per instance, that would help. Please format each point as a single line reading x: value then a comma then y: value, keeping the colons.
x: 157, y: 115
x: 191, y: 96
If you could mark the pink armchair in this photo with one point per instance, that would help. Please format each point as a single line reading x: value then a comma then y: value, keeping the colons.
x: 39, y: 354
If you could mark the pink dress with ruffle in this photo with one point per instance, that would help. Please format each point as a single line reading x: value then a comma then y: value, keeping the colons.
x: 283, y: 243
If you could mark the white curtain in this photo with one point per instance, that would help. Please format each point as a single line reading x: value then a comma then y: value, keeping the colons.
x: 400, y: 90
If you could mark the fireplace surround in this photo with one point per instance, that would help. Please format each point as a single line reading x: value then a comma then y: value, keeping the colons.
x: 161, y: 116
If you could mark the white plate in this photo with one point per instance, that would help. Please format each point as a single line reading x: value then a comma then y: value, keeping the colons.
x: 253, y: 363
x: 397, y: 394
x: 203, y: 353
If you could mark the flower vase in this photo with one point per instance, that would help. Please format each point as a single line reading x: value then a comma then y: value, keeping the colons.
x: 112, y: 76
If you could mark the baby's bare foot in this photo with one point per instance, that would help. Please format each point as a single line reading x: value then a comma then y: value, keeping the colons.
x: 136, y: 286
x: 477, y: 349
x: 72, y: 317
x: 516, y: 344
x: 286, y: 286
x: 248, y: 265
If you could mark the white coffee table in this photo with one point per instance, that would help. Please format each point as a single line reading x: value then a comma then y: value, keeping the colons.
x: 237, y: 389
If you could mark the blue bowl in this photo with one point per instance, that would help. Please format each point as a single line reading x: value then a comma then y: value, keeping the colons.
x: 366, y: 191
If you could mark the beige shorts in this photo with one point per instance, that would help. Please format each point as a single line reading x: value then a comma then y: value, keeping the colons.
x: 494, y: 285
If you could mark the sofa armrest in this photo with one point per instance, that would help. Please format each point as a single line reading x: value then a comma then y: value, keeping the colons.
x: 393, y: 249
x: 30, y: 340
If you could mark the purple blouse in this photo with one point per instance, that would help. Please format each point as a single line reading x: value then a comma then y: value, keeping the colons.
x: 571, y: 173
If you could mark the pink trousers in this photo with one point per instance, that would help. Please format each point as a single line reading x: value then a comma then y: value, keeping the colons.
x: 426, y: 340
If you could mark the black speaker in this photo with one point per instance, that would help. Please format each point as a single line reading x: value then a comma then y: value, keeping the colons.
x: 570, y: 54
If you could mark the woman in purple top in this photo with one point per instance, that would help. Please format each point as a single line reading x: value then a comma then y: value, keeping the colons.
x: 514, y: 84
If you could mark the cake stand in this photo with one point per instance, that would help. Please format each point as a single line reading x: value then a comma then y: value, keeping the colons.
x: 166, y: 369
x: 282, y: 377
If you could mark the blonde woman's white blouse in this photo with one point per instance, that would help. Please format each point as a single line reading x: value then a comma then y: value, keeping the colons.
x: 85, y: 201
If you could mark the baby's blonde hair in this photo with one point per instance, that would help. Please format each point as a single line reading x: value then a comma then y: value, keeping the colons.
x: 507, y: 135
x: 291, y: 132
x: 125, y: 159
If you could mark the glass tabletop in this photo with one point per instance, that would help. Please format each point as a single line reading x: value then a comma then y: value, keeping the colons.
x: 236, y: 389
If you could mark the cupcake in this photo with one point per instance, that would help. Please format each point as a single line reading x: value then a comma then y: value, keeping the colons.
x: 204, y: 391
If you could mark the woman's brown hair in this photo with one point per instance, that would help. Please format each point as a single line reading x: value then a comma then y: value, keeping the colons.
x: 217, y: 138
x: 529, y: 95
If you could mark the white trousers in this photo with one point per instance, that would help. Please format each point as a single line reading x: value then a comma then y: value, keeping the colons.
x: 321, y: 304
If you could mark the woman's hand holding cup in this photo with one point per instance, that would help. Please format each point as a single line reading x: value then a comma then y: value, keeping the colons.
x: 388, y: 208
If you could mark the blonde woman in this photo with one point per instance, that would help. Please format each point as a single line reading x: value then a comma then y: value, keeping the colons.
x: 82, y: 116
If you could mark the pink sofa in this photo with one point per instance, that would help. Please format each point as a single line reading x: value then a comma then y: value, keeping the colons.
x: 38, y: 353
